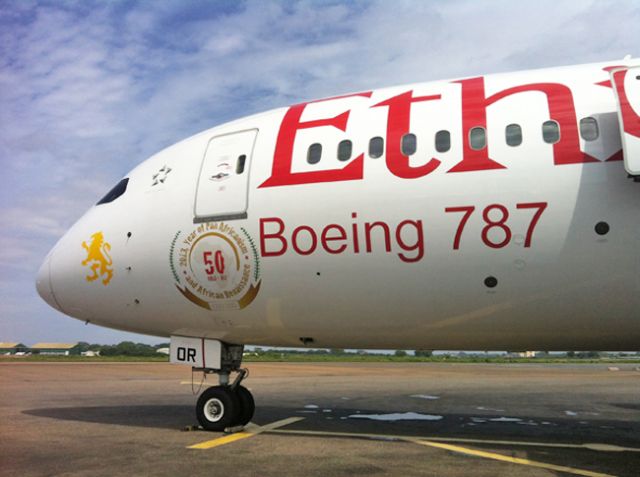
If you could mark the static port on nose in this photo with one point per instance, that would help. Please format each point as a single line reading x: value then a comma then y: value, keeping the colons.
x: 43, y: 284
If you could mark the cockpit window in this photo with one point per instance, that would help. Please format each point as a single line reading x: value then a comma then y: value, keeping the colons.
x: 116, y: 192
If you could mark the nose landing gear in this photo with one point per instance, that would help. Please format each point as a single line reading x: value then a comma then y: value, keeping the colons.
x: 221, y: 407
x: 226, y: 405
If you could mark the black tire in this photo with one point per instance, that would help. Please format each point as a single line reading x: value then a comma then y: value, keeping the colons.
x: 247, y: 406
x: 217, y: 408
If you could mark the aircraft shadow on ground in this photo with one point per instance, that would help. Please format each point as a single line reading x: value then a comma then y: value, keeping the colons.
x: 151, y: 416
x: 591, y: 429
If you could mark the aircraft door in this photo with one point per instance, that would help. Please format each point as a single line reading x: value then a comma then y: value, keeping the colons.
x: 626, y: 82
x: 223, y: 185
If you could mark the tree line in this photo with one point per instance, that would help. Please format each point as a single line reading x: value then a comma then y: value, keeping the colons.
x: 125, y: 348
x: 129, y: 348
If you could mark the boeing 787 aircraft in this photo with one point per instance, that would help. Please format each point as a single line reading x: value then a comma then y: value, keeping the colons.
x: 491, y: 212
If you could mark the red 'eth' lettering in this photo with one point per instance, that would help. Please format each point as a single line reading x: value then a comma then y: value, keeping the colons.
x: 475, y: 102
x: 283, y: 157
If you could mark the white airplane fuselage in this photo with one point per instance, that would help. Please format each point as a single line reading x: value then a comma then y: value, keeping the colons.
x: 530, y: 241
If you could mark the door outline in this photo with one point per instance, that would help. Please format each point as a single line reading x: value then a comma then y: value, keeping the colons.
x: 246, y: 172
x: 627, y: 118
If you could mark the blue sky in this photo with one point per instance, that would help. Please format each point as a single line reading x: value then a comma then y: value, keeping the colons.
x: 90, y: 89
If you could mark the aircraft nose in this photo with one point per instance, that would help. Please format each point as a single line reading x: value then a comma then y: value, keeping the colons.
x: 43, y: 283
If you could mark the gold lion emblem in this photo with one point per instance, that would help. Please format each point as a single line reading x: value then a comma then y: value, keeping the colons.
x: 98, y: 257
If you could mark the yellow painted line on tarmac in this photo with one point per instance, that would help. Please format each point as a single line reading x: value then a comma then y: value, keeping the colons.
x: 221, y: 440
x: 275, y: 428
x: 594, y: 447
x: 432, y: 442
x: 504, y: 458
x: 250, y: 432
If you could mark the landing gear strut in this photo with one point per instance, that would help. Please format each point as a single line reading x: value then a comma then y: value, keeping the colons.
x: 226, y: 405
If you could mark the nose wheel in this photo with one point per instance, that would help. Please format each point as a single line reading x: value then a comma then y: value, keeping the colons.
x: 228, y: 405
x: 221, y: 407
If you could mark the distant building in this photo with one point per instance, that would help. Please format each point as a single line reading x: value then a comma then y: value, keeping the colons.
x: 163, y: 351
x: 61, y: 349
x: 90, y: 353
x: 13, y: 348
x: 521, y: 354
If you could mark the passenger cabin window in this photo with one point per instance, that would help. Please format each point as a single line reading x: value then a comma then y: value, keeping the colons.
x: 314, y: 153
x: 513, y: 134
x: 344, y: 150
x: 550, y: 132
x: 116, y: 192
x: 376, y: 147
x: 589, y: 129
x: 443, y: 141
x: 477, y: 138
x: 409, y: 144
x: 241, y: 162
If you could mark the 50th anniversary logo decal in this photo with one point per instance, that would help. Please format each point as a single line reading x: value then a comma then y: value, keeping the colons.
x: 215, y: 266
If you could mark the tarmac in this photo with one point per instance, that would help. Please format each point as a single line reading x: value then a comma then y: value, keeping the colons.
x: 324, y: 419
